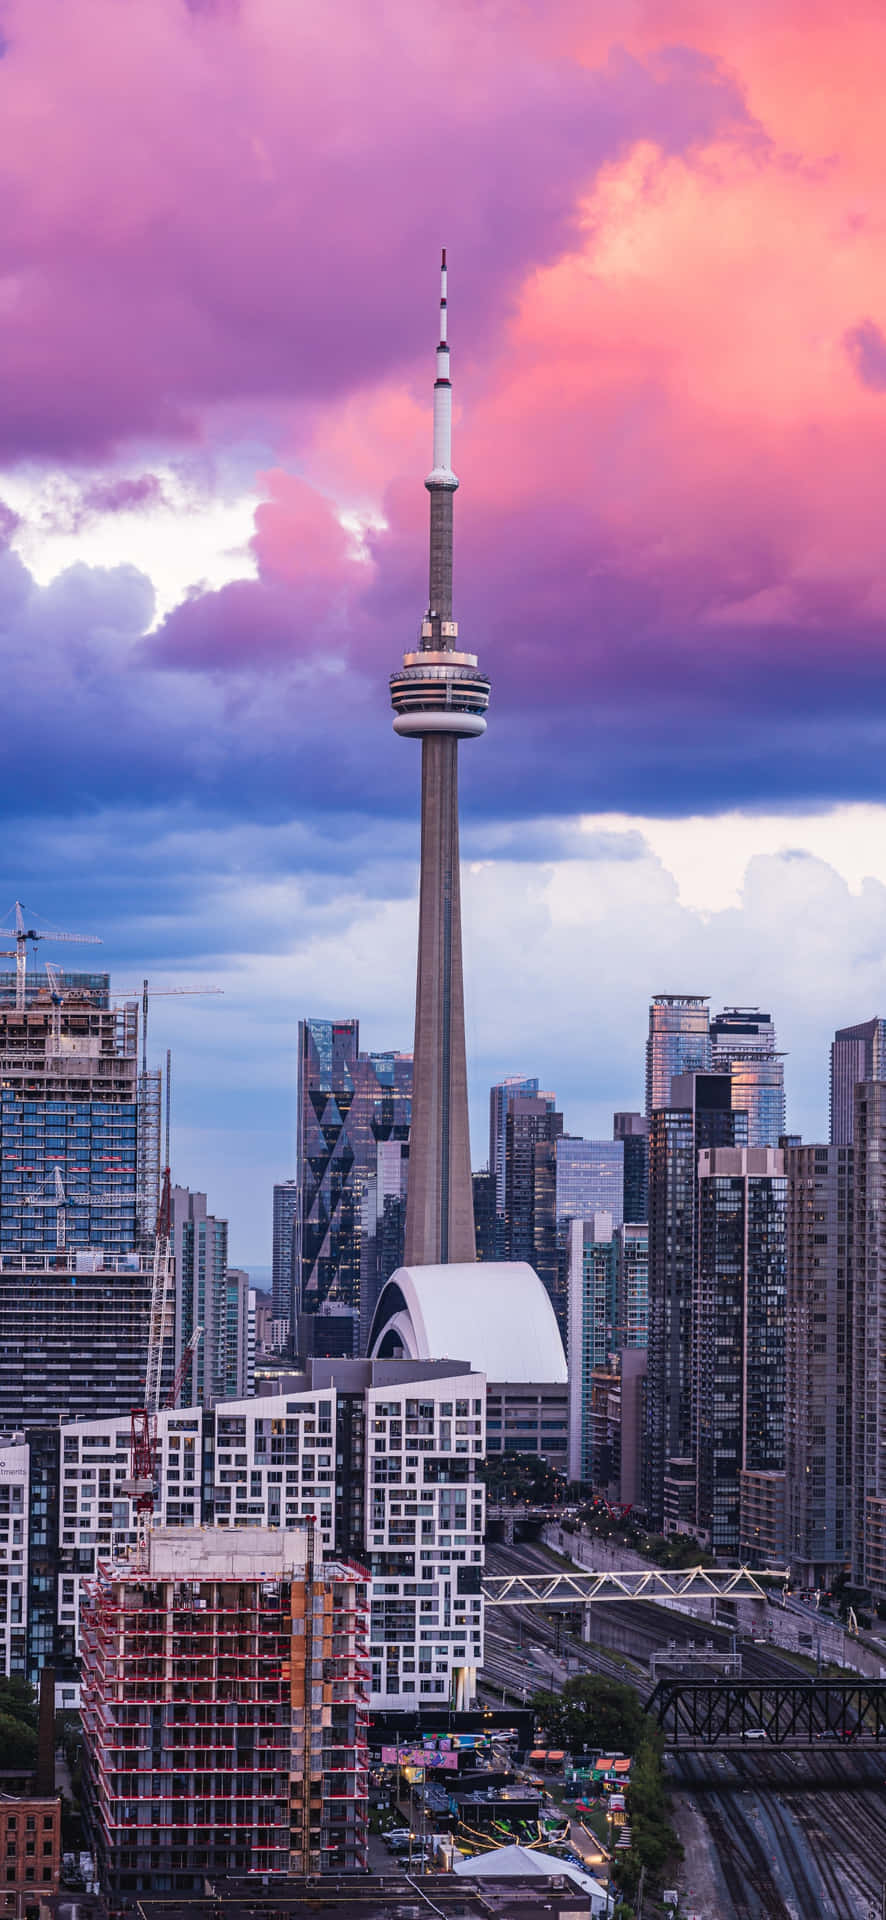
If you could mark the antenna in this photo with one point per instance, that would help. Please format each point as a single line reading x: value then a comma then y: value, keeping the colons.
x: 168, y: 1101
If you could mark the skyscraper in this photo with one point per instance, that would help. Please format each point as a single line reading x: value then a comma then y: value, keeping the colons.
x: 679, y: 1042
x: 632, y: 1129
x: 743, y: 1045
x: 869, y: 1340
x: 857, y: 1053
x: 69, y: 1119
x: 440, y: 698
x: 701, y: 1116
x: 530, y: 1223
x: 211, y: 1295
x: 348, y: 1103
x: 739, y: 1338
x: 499, y: 1098
x: 283, y: 1247
x: 818, y: 1324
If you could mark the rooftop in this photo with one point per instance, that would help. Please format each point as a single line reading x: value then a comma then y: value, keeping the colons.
x: 376, y: 1897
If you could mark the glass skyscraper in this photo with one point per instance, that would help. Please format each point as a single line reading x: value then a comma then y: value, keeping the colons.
x: 348, y: 1103
x: 69, y: 1121
x: 590, y: 1179
x: 739, y: 1387
x: 857, y: 1054
x: 679, y: 1042
x: 743, y: 1044
x: 702, y: 1116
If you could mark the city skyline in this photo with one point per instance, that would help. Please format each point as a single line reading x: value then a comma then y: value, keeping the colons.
x: 214, y: 545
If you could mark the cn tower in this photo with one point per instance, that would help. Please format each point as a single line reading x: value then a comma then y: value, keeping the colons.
x: 439, y: 698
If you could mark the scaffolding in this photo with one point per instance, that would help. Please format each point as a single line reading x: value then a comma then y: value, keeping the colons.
x: 225, y: 1719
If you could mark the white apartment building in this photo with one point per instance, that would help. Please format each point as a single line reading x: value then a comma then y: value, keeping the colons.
x: 14, y: 1492
x: 406, y: 1467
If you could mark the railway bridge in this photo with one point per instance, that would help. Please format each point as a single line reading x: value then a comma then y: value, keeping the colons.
x: 695, y: 1716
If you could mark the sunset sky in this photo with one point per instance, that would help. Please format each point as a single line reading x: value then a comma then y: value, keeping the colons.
x: 221, y: 223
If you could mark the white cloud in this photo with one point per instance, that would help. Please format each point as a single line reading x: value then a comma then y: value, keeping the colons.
x: 192, y: 535
x: 561, y: 954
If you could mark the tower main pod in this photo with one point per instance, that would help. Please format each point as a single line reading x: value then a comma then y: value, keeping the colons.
x: 440, y: 698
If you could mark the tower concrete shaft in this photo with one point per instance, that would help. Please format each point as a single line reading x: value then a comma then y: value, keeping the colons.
x: 440, y: 697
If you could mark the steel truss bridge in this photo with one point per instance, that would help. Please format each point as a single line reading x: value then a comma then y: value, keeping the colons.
x: 569, y: 1589
x: 697, y: 1715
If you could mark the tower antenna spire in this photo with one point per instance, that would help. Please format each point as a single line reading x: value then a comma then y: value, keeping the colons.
x: 440, y: 698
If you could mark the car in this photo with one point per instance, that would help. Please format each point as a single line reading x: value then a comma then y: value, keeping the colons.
x: 755, y: 1733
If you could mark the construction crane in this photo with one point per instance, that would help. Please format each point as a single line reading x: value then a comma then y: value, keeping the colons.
x: 22, y: 934
x: 61, y: 1200
x: 188, y: 1353
x: 143, y: 1420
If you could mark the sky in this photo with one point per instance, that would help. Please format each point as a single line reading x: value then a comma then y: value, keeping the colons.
x: 218, y: 278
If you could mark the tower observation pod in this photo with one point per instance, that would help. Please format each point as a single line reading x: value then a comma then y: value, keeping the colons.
x: 440, y: 697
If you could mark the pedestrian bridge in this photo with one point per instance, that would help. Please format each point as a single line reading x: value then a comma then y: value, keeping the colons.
x: 695, y: 1716
x: 568, y: 1589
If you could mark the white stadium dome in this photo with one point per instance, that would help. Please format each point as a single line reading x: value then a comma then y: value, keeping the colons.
x: 495, y: 1314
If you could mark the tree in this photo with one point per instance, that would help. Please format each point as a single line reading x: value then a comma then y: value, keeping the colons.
x: 592, y: 1712
x: 18, y: 1743
x: 653, y: 1840
x: 522, y: 1478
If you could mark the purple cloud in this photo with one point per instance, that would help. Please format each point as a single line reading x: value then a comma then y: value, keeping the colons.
x: 866, y: 347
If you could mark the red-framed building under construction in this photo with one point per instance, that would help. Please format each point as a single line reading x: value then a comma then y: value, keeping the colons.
x: 225, y: 1707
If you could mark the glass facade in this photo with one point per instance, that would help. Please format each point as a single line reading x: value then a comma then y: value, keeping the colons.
x: 632, y: 1258
x: 499, y: 1099
x: 209, y: 1295
x: 705, y: 1119
x: 68, y: 1111
x: 679, y: 1042
x: 857, y: 1054
x: 592, y: 1256
x: 590, y: 1179
x: 739, y: 1388
x: 348, y: 1103
x: 758, y: 1090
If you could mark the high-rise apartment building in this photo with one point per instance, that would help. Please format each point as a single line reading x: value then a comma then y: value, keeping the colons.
x: 73, y: 1335
x: 632, y: 1129
x: 383, y: 1226
x: 69, y: 1123
x: 738, y: 1401
x: 701, y: 1116
x: 224, y: 1712
x: 869, y: 1340
x: 348, y: 1104
x: 739, y: 1030
x: 679, y: 1042
x: 283, y: 1247
x: 743, y: 1044
x: 210, y: 1295
x: 857, y: 1053
x: 500, y: 1097
x: 15, y: 1470
x: 590, y: 1179
x: 818, y: 1343
x: 532, y: 1131
x: 485, y: 1218
x: 632, y: 1285
x: 383, y: 1456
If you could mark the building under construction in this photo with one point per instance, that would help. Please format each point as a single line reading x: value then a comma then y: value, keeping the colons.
x: 79, y: 1122
x: 225, y: 1708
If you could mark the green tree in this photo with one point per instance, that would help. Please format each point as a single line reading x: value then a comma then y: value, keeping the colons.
x: 18, y: 1743
x: 522, y: 1478
x: 18, y: 1699
x: 591, y: 1712
x: 653, y: 1841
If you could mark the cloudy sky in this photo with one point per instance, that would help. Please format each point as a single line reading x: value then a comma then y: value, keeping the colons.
x: 218, y: 253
